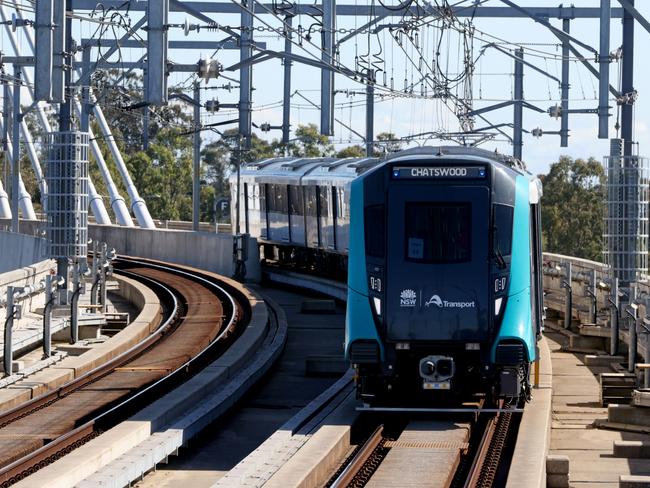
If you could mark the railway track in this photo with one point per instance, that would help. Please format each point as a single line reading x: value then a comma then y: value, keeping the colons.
x: 200, y: 319
x: 449, y: 457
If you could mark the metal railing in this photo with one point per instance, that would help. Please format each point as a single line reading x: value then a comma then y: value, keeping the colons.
x: 588, y: 287
x: 101, y: 269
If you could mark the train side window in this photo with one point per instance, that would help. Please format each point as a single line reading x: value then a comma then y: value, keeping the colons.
x: 310, y: 197
x: 502, y: 216
x: 324, y: 199
x: 279, y: 198
x: 374, y: 230
x: 295, y: 200
x: 263, y: 191
x: 270, y: 197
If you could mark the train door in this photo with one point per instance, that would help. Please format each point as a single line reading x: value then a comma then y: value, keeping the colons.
x: 296, y: 218
x: 311, y: 219
x: 278, y: 213
x: 246, y: 209
x: 438, y: 263
x: 264, y: 216
x: 343, y: 220
x: 335, y: 216
x: 325, y: 217
x: 536, y: 289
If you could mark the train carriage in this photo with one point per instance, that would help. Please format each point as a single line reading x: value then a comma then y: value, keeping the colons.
x: 298, y: 208
x: 442, y: 249
x: 444, y: 281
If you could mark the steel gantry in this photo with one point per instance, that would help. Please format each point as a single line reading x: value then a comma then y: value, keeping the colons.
x: 63, y: 80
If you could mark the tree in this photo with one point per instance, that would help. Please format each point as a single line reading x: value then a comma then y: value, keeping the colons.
x: 572, y: 208
x: 220, y: 154
x: 355, y: 151
x: 386, y: 143
x: 310, y: 143
x: 121, y: 97
x: 170, y: 178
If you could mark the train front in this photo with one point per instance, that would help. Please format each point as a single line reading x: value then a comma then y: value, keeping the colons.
x: 429, y: 271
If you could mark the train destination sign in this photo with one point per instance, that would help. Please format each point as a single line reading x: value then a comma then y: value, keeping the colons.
x: 438, y: 172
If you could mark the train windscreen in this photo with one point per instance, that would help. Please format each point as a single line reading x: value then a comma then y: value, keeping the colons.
x: 438, y: 232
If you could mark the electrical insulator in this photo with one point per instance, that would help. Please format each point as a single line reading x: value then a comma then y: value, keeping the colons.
x: 265, y: 127
x: 555, y: 111
x: 187, y: 27
x: 212, y: 105
x: 209, y: 68
x: 537, y: 132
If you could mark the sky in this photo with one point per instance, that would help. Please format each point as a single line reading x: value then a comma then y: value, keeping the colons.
x: 492, y: 81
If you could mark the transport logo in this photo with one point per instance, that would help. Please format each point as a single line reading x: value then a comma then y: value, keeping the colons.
x: 434, y: 300
x: 440, y: 303
x: 407, y: 298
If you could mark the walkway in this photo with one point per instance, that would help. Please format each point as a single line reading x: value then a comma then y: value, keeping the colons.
x: 576, y: 404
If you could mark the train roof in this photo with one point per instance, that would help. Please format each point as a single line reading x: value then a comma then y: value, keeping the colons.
x: 293, y: 170
x: 299, y: 166
x: 461, y: 151
x: 508, y: 163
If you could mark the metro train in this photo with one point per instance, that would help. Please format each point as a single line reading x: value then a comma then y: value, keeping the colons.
x: 443, y: 249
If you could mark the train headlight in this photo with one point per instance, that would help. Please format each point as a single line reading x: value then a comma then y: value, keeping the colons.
x: 377, y: 303
x: 497, y: 305
x: 445, y: 367
x: 428, y: 368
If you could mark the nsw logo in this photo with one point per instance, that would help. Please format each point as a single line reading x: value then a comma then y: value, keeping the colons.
x: 434, y: 300
x: 407, y: 298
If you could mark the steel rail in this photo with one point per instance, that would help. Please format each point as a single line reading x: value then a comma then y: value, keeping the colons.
x: 484, y: 467
x: 360, y: 459
x: 90, y: 429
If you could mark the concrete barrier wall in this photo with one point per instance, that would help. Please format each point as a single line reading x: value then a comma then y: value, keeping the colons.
x: 18, y: 250
x: 202, y: 250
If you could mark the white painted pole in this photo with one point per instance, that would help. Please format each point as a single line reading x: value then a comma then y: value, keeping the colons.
x: 138, y: 205
x: 97, y: 205
x: 117, y: 201
x: 24, y: 198
x: 5, y: 209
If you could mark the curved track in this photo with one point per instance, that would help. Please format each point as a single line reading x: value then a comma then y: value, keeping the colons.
x: 200, y: 317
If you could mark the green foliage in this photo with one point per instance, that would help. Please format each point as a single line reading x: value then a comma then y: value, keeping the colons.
x: 164, y: 175
x: 310, y: 143
x: 572, y: 208
x: 386, y: 143
x: 355, y: 151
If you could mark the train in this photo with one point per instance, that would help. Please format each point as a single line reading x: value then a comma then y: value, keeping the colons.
x: 443, y: 252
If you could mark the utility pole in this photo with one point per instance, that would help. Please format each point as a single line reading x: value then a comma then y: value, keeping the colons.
x: 196, y: 159
x: 517, y: 139
x: 565, y: 85
x: 627, y: 84
x: 286, y: 98
x: 145, y: 121
x: 327, y: 74
x: 65, y: 125
x: 15, y: 160
x: 370, y: 113
x: 246, y: 74
x: 603, y: 61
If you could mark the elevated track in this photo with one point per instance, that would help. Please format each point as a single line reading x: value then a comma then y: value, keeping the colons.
x: 200, y: 318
